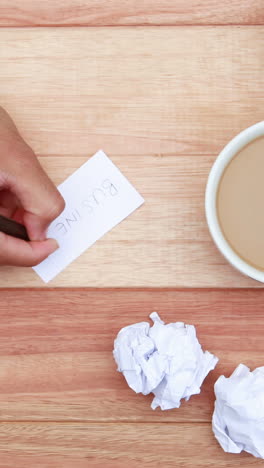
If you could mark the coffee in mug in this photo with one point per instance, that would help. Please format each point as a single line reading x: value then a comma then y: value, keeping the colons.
x: 234, y: 201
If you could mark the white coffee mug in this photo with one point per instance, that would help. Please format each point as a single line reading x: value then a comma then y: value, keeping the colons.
x: 230, y: 150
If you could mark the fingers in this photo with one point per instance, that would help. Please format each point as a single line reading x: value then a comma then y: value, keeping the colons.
x: 39, y: 215
x: 37, y: 194
x: 15, y: 251
x: 22, y: 174
x: 8, y: 203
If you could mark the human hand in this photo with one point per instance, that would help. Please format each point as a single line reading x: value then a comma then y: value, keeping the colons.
x: 26, y: 195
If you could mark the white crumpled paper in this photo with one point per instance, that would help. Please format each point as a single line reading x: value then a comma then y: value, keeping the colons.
x: 166, y: 360
x: 238, y: 419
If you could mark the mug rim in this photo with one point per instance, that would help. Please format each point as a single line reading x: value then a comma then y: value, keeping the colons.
x: 216, y: 172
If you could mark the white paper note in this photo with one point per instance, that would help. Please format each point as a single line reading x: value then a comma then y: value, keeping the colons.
x: 97, y: 197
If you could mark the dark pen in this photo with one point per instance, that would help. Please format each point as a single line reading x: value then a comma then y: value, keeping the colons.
x: 12, y: 228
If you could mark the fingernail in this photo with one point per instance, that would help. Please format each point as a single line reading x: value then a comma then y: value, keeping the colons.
x: 53, y: 244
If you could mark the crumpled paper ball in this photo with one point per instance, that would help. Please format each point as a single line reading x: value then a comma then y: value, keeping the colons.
x: 166, y: 360
x: 238, y: 419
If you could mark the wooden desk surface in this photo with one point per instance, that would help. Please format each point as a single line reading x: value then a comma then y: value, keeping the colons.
x: 161, y: 87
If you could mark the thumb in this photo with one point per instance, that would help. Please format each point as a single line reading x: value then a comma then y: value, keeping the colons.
x: 15, y: 251
x: 37, y: 225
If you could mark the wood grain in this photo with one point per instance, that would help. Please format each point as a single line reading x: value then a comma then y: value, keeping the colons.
x: 115, y: 446
x: 163, y: 125
x: 56, y: 350
x: 156, y: 245
x: 132, y: 91
x: 130, y: 12
x: 162, y: 102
